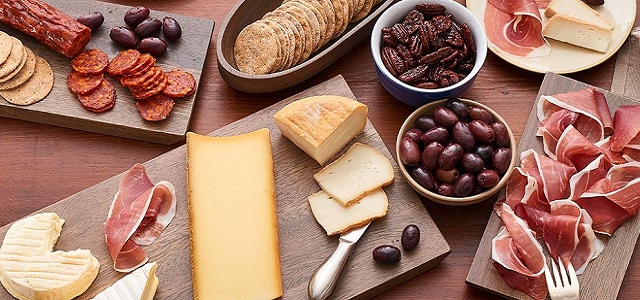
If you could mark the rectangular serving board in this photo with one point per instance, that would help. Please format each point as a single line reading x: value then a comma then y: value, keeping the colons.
x: 603, y: 276
x: 303, y: 243
x: 61, y: 106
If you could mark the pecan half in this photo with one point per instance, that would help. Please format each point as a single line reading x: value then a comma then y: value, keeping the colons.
x: 424, y: 37
x: 454, y: 38
x: 468, y: 37
x: 442, y: 23
x: 417, y: 48
x: 406, y: 56
x: 450, y: 57
x: 431, y: 9
x: 400, y: 33
x: 414, y: 74
x: 392, y: 61
x: 389, y: 40
x: 426, y: 85
x: 436, y: 56
x: 413, y: 17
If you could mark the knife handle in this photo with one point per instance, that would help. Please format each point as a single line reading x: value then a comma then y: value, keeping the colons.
x: 325, y: 278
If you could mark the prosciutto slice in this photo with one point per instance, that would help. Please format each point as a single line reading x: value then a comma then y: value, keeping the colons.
x: 515, y: 27
x: 575, y: 149
x: 614, y: 158
x: 140, y: 211
x: 523, y: 188
x: 627, y: 127
x: 587, y: 177
x: 552, y: 127
x: 552, y: 176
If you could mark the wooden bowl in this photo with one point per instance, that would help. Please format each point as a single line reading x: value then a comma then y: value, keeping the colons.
x: 427, y: 109
x: 248, y: 11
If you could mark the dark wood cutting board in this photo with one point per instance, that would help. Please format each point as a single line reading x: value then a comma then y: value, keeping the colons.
x: 303, y: 243
x: 603, y: 276
x: 61, y: 107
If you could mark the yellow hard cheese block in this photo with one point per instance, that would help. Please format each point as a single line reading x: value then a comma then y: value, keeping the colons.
x: 141, y: 284
x: 234, y: 231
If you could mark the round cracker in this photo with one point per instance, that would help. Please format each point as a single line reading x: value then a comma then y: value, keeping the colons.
x: 5, y: 46
x: 34, y: 89
x: 317, y: 9
x: 298, y: 32
x: 359, y: 6
x: 307, y: 32
x: 345, y: 16
x: 280, y: 58
x: 18, y: 68
x: 256, y: 49
x: 310, y: 17
x: 327, y: 7
x: 288, y: 29
x: 14, y: 59
x: 364, y: 12
x: 25, y: 73
x: 284, y: 42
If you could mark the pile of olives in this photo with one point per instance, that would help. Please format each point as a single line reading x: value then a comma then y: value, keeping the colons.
x: 459, y: 151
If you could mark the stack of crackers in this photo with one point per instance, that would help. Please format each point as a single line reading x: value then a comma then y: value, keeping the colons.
x: 25, y: 78
x: 288, y: 35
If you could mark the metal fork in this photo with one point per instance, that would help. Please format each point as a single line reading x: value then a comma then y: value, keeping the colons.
x: 566, y: 286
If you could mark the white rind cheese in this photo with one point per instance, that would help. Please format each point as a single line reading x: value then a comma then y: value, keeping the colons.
x: 578, y: 10
x: 336, y: 219
x: 579, y: 33
x: 139, y: 285
x: 322, y: 125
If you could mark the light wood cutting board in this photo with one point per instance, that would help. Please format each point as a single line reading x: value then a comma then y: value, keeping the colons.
x: 303, y: 243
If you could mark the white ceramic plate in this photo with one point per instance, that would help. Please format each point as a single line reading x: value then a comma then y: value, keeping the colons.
x: 566, y: 58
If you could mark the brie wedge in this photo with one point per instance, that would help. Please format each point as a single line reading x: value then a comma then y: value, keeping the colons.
x: 139, y: 285
x: 579, y: 10
x: 336, y: 219
x: 322, y: 125
x: 576, y: 32
x: 30, y: 271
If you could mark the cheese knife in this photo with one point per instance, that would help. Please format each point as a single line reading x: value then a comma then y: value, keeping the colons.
x: 325, y: 278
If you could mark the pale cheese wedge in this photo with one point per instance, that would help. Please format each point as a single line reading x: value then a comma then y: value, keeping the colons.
x: 141, y: 284
x: 357, y: 173
x: 322, y: 125
x: 576, y: 32
x: 30, y: 271
x: 579, y: 10
x: 336, y: 218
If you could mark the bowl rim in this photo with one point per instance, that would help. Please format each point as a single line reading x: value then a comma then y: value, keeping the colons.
x: 468, y: 16
x: 456, y: 201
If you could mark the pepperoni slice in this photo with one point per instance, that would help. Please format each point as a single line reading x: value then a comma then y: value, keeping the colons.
x: 82, y: 84
x: 179, y: 84
x: 155, y: 89
x: 100, y: 100
x: 123, y: 62
x: 92, y: 61
x: 137, y: 81
x: 144, y: 63
x: 155, y: 108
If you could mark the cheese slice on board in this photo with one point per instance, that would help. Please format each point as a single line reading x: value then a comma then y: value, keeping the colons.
x: 234, y: 230
x: 141, y: 284
x: 336, y: 219
x: 29, y: 270
x: 577, y: 32
x: 579, y: 10
x: 322, y: 125
x: 357, y: 173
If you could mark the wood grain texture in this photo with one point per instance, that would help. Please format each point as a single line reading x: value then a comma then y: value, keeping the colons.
x: 303, y: 242
x: 626, y: 77
x: 62, y: 108
x: 604, y: 275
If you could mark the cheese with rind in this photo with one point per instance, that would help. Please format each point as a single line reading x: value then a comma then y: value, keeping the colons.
x: 336, y: 218
x: 141, y: 284
x: 576, y: 32
x: 579, y: 10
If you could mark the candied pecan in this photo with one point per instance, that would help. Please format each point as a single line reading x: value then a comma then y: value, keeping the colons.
x: 451, y: 57
x: 444, y: 82
x: 442, y: 24
x: 464, y: 51
x: 426, y: 85
x: 406, y: 56
x: 417, y: 49
x: 436, y: 56
x: 400, y: 33
x: 433, y: 35
x: 451, y: 76
x: 414, y: 74
x: 464, y: 68
x: 452, y: 64
x: 389, y: 40
x: 413, y: 16
x: 424, y: 37
x: 386, y: 30
x: 435, y: 74
x: 454, y: 38
x: 411, y: 28
x: 392, y: 61
x: 468, y: 37
x: 431, y: 9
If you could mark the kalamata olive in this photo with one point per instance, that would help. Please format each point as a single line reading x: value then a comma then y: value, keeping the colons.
x: 387, y: 254
x: 414, y: 134
x: 410, y: 237
x: 501, y: 160
x: 152, y: 45
x: 444, y: 117
x: 446, y: 189
x: 463, y: 136
x: 502, y: 134
x: 447, y: 176
x: 485, y: 152
x: 136, y: 15
x: 594, y: 2
x: 488, y: 178
x: 425, y: 123
x: 450, y: 156
x: 482, y: 131
x: 424, y: 177
x: 124, y: 37
x: 472, y: 163
x: 477, y: 190
x: 435, y: 134
x: 478, y: 113
x: 430, y: 155
x: 457, y: 107
x: 465, y: 184
x: 171, y: 29
x: 148, y: 27
x: 93, y: 20
x: 409, y: 152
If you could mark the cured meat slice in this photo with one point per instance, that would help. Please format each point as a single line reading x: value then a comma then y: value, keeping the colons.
x: 582, y: 102
x: 140, y: 211
x: 587, y: 177
x: 515, y: 27
x: 144, y: 63
x: 615, y: 158
x: 523, y: 188
x: 100, y: 100
x: 574, y: 149
x: 179, y: 84
x: 552, y: 176
x: 552, y: 127
x: 123, y: 62
x: 604, y: 112
x: 150, y: 91
x: 517, y: 256
x: 626, y: 125
x: 141, y: 80
x: 630, y: 155
x: 92, y: 61
x: 155, y: 108
x: 82, y: 84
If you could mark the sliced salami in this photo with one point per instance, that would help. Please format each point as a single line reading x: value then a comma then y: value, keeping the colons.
x: 92, y: 61
x: 148, y: 92
x: 137, y: 81
x: 100, y: 100
x: 124, y: 62
x: 144, y: 63
x: 179, y: 84
x: 82, y: 84
x: 155, y: 108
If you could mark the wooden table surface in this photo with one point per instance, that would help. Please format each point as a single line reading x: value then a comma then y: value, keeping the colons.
x: 41, y: 164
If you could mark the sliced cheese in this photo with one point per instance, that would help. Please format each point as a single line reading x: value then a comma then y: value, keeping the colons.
x: 579, y: 10
x: 336, y: 218
x: 141, y: 284
x: 234, y: 230
x: 29, y: 270
x: 357, y: 173
x: 322, y: 125
x: 576, y: 32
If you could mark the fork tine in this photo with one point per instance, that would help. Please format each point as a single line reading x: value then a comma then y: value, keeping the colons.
x: 556, y: 276
x: 547, y: 276
x: 572, y: 275
x: 563, y: 272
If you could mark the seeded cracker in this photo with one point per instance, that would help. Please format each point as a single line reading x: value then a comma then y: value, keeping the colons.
x: 35, y: 89
x: 256, y: 49
x: 327, y: 7
x: 284, y: 42
x: 345, y: 16
x: 291, y: 34
x: 280, y: 55
x: 25, y: 73
x: 359, y: 6
x: 307, y: 31
x: 18, y: 68
x: 298, y: 32
x: 315, y: 8
x: 311, y: 18
x: 5, y: 46
x: 14, y: 58
x: 365, y: 11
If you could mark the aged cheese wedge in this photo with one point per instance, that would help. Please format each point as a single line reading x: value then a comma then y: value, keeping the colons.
x: 322, y: 125
x: 30, y: 271
x: 141, y: 284
x: 579, y: 10
x: 336, y: 218
x: 357, y: 173
x: 234, y: 230
x: 576, y: 32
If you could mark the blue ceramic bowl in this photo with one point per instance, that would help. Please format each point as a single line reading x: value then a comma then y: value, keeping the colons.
x: 412, y: 95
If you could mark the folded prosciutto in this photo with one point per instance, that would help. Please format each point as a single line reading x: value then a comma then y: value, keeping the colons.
x: 575, y: 149
x: 628, y: 127
x: 140, y: 211
x: 552, y: 177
